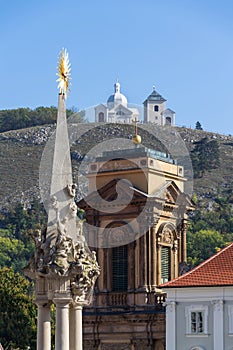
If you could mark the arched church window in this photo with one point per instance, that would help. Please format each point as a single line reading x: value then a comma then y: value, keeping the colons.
x: 165, y: 264
x: 120, y: 268
x: 168, y: 121
x: 101, y: 117
x: 167, y: 247
x: 156, y: 108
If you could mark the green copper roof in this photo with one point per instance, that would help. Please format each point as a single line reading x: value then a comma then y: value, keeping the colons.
x: 136, y: 152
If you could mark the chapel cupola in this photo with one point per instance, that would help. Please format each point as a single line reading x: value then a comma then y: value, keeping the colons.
x: 116, y: 109
x: 117, y: 98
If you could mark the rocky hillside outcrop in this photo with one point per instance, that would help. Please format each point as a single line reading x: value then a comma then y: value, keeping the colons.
x: 21, y: 151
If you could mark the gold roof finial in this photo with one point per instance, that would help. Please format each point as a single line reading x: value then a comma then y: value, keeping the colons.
x: 137, y: 138
x: 63, y: 72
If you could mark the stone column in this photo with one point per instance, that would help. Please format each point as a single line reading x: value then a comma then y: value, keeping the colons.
x: 76, y: 327
x: 101, y: 261
x: 218, y: 325
x: 136, y: 262
x: 154, y: 265
x: 176, y: 264
x: 143, y: 259
x: 170, y: 325
x: 62, y: 323
x: 159, y: 264
x: 131, y: 266
x: 183, y: 237
x: 148, y: 258
x: 43, y: 325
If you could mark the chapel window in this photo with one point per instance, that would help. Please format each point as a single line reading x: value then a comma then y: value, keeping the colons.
x: 101, y: 117
x: 197, y: 322
x: 168, y: 121
x: 196, y: 319
x: 156, y: 108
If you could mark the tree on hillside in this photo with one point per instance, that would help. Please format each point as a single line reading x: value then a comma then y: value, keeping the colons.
x: 198, y: 126
x: 13, y: 119
x: 218, y: 216
x: 16, y: 228
x: 14, y: 253
x: 202, y: 245
x: 17, y: 312
x: 205, y: 156
x: 19, y: 221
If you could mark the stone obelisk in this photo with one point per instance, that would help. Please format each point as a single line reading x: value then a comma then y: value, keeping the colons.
x: 63, y: 267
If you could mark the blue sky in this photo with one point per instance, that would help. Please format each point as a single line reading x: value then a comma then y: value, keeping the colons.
x: 183, y: 47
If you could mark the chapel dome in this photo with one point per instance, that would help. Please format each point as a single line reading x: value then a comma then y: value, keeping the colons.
x: 117, y: 98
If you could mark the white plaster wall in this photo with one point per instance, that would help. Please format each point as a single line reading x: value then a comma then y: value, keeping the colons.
x: 201, y: 296
x: 151, y: 114
x: 98, y: 109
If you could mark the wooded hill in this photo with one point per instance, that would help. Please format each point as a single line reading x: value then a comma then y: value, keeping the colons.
x: 211, y: 154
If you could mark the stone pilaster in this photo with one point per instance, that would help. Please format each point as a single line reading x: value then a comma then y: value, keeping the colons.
x: 142, y: 250
x: 101, y: 285
x: 170, y: 325
x: 154, y: 264
x: 159, y: 273
x: 176, y: 265
x: 184, y: 240
x: 218, y: 328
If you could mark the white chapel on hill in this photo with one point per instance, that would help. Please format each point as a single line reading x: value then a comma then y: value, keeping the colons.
x: 116, y: 109
x: 155, y: 110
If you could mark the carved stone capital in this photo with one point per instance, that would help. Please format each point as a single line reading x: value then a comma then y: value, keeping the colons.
x: 170, y: 306
x: 218, y: 304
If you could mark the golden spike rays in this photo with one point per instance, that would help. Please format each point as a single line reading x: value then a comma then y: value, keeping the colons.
x: 63, y: 72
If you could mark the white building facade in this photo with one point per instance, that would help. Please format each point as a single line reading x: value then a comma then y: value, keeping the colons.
x: 155, y: 110
x: 199, y: 306
x: 116, y: 110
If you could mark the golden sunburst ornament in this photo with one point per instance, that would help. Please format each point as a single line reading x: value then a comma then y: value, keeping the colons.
x: 63, y: 72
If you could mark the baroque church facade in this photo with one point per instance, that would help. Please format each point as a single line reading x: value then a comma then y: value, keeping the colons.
x: 116, y: 110
x: 137, y: 214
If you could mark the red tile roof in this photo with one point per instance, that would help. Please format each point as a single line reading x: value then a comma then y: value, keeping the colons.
x: 216, y: 271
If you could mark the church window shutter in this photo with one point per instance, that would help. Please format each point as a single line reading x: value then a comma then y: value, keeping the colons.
x: 165, y: 264
x: 120, y: 268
